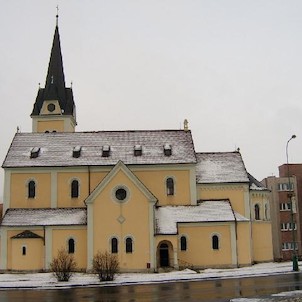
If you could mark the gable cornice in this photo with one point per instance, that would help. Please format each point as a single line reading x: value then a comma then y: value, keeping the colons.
x: 120, y: 166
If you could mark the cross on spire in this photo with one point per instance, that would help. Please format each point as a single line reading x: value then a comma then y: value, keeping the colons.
x: 57, y: 16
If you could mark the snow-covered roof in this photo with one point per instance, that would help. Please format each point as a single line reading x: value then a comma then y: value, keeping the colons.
x: 168, y: 217
x: 41, y: 217
x: 256, y: 185
x: 220, y: 167
x: 56, y: 149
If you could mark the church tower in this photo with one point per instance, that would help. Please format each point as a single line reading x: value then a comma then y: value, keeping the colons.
x: 54, y: 109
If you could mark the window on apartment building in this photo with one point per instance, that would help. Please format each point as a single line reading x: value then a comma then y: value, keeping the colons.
x: 129, y: 245
x: 257, y: 212
x: 183, y: 243
x: 288, y: 226
x: 215, y: 242
x: 31, y: 189
x: 285, y: 206
x: 170, y: 186
x: 74, y: 189
x: 71, y: 246
x: 289, y: 246
x: 114, y: 245
x: 285, y: 186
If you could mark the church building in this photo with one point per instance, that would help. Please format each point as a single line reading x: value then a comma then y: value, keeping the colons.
x: 145, y: 195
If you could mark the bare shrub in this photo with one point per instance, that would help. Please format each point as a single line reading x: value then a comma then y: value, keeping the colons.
x: 63, y: 266
x: 106, y: 265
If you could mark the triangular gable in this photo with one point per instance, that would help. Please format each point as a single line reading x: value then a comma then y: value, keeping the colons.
x: 27, y: 234
x: 120, y: 166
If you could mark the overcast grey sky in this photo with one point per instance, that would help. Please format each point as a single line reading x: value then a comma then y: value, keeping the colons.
x: 233, y: 68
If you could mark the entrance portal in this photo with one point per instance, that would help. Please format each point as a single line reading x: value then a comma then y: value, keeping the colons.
x: 164, y: 255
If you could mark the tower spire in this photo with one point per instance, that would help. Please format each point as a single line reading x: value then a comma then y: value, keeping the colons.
x: 55, y: 91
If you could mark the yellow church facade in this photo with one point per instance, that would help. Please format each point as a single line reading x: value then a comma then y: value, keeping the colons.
x: 145, y: 195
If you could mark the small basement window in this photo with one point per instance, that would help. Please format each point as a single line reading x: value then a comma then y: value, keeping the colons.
x: 167, y: 150
x: 106, y: 151
x: 34, y: 152
x: 76, y: 152
x: 138, y: 150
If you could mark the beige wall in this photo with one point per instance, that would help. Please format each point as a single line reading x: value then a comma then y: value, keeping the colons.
x: 60, y: 239
x: 199, y: 245
x: 57, y: 125
x: 112, y: 218
x: 64, y: 180
x: 34, y: 258
x: 19, y: 190
x: 155, y: 181
x: 244, y: 244
x: 237, y: 194
x: 262, y: 241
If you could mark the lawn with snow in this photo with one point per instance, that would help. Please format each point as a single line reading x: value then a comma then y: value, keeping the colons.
x: 47, y: 280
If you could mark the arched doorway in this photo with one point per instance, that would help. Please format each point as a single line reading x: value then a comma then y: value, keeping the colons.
x: 164, y: 259
x: 164, y: 254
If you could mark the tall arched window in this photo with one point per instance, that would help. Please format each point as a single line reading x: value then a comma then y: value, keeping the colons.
x: 114, y: 245
x: 170, y: 186
x: 31, y: 189
x: 71, y: 246
x: 129, y: 245
x: 215, y: 242
x: 257, y: 212
x: 74, y: 189
x: 183, y: 243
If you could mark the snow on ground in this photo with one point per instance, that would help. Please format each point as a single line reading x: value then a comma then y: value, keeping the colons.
x: 48, y: 281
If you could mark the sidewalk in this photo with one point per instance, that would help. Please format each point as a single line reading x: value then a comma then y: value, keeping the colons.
x: 48, y: 281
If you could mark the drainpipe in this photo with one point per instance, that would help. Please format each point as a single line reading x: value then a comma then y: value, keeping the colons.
x: 236, y: 234
x: 89, y: 180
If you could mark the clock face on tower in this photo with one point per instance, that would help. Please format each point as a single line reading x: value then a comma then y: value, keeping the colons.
x: 51, y: 107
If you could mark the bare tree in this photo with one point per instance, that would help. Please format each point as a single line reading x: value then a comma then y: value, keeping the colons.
x: 63, y: 266
x: 106, y: 265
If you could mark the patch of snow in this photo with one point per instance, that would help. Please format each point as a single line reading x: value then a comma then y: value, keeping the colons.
x: 48, y: 281
x: 207, y: 211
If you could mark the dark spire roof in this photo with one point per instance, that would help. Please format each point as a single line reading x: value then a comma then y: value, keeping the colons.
x: 55, y: 80
x: 55, y: 88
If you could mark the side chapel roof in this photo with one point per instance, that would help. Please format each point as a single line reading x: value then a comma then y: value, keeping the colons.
x: 45, y: 217
x: 220, y: 167
x: 167, y: 218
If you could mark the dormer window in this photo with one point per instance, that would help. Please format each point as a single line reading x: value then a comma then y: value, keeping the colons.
x: 76, y: 152
x: 138, y: 150
x: 105, y: 150
x: 34, y: 152
x: 167, y: 150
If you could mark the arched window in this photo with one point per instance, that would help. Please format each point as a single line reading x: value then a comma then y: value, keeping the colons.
x: 23, y: 250
x: 257, y: 212
x: 31, y: 189
x: 129, y: 245
x: 71, y: 246
x: 74, y: 189
x: 114, y: 246
x: 215, y: 242
x: 170, y: 186
x: 183, y: 243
